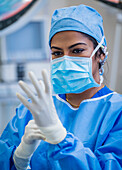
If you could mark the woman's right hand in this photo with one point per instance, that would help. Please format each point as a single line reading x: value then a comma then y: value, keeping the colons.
x: 29, y: 143
x: 32, y: 133
x: 30, y: 140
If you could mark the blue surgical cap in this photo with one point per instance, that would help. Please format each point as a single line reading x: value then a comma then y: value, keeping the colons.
x: 80, y: 18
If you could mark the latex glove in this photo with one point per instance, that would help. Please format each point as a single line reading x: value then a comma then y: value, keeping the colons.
x: 28, y: 145
x: 43, y: 109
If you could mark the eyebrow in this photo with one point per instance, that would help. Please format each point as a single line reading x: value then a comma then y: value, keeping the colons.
x: 77, y: 44
x: 56, y: 48
x: 69, y: 46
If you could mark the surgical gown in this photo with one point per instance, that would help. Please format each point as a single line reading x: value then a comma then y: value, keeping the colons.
x: 93, y: 141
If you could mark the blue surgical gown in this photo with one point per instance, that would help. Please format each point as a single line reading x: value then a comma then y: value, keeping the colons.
x: 93, y: 141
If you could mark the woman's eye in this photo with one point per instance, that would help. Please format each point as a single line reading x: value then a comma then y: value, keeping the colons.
x: 57, y: 53
x: 77, y: 51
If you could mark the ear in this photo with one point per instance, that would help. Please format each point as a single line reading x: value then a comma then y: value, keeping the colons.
x: 102, y: 57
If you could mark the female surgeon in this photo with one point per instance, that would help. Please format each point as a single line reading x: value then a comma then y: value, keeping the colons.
x: 80, y: 127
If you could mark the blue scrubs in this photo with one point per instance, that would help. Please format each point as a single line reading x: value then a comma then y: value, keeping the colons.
x: 93, y: 141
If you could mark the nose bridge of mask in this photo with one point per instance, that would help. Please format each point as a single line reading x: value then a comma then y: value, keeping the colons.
x: 63, y: 63
x: 98, y: 46
x: 66, y: 63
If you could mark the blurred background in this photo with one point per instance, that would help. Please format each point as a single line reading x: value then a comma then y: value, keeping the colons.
x: 24, y: 30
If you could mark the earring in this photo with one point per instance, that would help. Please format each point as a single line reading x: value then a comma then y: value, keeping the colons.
x: 101, y: 61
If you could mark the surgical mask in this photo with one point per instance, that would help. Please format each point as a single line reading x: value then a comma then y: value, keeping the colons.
x: 72, y: 74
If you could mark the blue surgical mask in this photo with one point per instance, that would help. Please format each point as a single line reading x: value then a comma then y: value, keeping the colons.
x: 72, y: 74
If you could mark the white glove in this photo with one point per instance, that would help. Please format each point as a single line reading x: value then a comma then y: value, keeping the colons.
x: 28, y: 145
x: 43, y: 109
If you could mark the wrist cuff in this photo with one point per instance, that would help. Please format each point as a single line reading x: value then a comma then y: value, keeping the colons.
x: 54, y: 134
x: 24, y: 150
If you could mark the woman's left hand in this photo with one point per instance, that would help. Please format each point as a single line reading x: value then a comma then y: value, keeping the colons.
x: 42, y: 108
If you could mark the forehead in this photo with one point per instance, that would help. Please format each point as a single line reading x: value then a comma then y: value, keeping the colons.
x: 67, y: 38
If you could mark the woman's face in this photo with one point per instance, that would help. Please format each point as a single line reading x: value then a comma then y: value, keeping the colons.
x: 73, y: 43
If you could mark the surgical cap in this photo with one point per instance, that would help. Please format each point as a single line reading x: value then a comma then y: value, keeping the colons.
x: 80, y: 18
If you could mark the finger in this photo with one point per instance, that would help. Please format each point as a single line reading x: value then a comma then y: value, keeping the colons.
x: 46, y: 81
x: 27, y: 90
x: 36, y: 83
x: 42, y: 84
x: 32, y: 130
x: 37, y: 136
x: 23, y: 100
x: 32, y: 125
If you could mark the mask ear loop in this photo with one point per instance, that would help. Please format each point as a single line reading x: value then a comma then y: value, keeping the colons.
x: 98, y: 46
x: 93, y: 53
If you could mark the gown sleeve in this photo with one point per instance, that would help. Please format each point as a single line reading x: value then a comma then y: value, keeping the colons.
x: 8, y: 142
x: 11, y: 137
x: 71, y: 152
